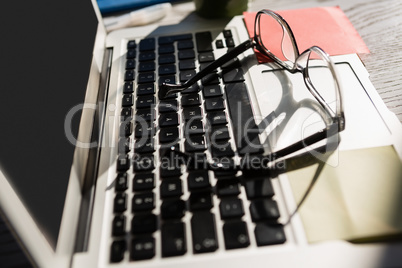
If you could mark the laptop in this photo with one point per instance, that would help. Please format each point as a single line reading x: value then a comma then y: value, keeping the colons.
x: 82, y: 184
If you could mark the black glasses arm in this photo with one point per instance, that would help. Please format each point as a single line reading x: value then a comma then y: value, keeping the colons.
x: 168, y: 89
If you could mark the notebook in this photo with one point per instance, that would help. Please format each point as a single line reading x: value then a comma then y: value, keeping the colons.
x: 83, y: 181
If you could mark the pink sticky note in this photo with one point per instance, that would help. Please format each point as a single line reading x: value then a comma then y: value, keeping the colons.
x: 326, y: 27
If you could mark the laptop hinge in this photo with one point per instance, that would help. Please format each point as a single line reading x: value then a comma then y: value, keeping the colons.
x: 91, y: 174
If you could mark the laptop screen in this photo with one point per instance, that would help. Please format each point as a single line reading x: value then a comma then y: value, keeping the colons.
x: 45, y: 60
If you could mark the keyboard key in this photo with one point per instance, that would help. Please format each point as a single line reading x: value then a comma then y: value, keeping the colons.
x: 144, y: 224
x: 127, y: 100
x: 119, y: 225
x: 147, y: 44
x: 217, y: 118
x: 200, y: 201
x: 144, y: 146
x: 129, y: 75
x: 185, y: 44
x: 143, y: 182
x: 123, y: 163
x: 146, y: 77
x: 233, y: 76
x: 236, y: 235
x: 166, y: 106
x: 146, y: 66
x: 214, y: 104
x: 190, y: 112
x: 195, y: 144
x: 203, y: 41
x: 131, y: 44
x: 210, y: 79
x: 171, y: 188
x: 173, y: 239
x: 168, y: 120
x: 126, y: 128
x: 187, y: 65
x: 117, y: 250
x: 259, y: 187
x: 169, y: 168
x: 192, y: 89
x: 219, y: 43
x: 227, y: 187
x: 146, y: 56
x: 143, y: 163
x: 206, y: 57
x: 198, y: 180
x: 143, y: 202
x: 130, y: 64
x: 142, y: 248
x: 145, y: 115
x: 166, y: 49
x: 169, y: 135
x: 190, y: 100
x: 203, y: 232
x: 145, y: 89
x: 128, y: 88
x: 124, y: 145
x: 269, y: 234
x: 221, y: 149
x: 227, y: 33
x: 186, y: 54
x: 167, y: 69
x: 144, y: 129
x: 186, y: 75
x: 264, y: 209
x: 219, y: 133
x: 231, y: 208
x: 194, y: 126
x: 126, y: 114
x: 131, y: 54
x: 212, y: 91
x: 120, y: 203
x: 172, y: 209
x: 166, y: 59
x: 145, y: 101
x: 230, y: 42
x: 168, y: 79
x: 121, y: 182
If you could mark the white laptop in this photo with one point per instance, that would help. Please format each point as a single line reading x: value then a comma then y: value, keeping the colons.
x: 105, y: 198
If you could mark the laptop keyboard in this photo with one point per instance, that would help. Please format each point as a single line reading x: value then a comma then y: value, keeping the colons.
x: 164, y: 203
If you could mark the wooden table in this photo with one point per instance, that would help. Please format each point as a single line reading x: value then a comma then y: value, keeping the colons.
x: 378, y: 22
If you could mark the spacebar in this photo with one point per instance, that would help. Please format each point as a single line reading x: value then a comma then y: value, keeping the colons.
x: 244, y: 126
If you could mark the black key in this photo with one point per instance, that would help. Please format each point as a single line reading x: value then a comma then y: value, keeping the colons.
x: 269, y: 234
x: 171, y: 188
x: 186, y: 54
x: 126, y: 114
x: 231, y: 208
x: 210, y: 79
x: 221, y: 149
x: 214, y: 104
x: 143, y: 181
x: 124, y: 145
x: 236, y: 235
x: 195, y: 144
x: 185, y: 44
x: 170, y: 39
x: 169, y: 168
x: 186, y: 75
x: 126, y: 128
x: 143, y: 163
x: 119, y: 225
x: 206, y: 57
x: 143, y: 202
x: 166, y: 106
x: 233, y: 63
x: 259, y: 187
x: 145, y: 101
x: 144, y: 129
x: 166, y: 49
x: 227, y: 187
x: 200, y: 201
x: 212, y: 91
x: 167, y: 69
x: 147, y: 44
x: 198, y: 180
x: 194, y: 126
x: 146, y: 89
x: 217, y: 118
x: 145, y: 115
x: 186, y: 65
x: 168, y: 119
x: 203, y: 231
x: 264, y: 209
x: 230, y: 42
x: 131, y: 54
x: 227, y: 33
x: 123, y: 163
x: 146, y: 56
x: 120, y: 203
x: 117, y: 250
x: 203, y: 41
x: 128, y: 88
x: 130, y: 64
x: 192, y: 89
x: 169, y: 135
x: 146, y: 66
x: 219, y: 43
x: 191, y: 112
x: 166, y: 59
x: 173, y: 209
x: 144, y: 224
x: 169, y: 79
x: 144, y: 146
x: 173, y: 239
x: 142, y: 248
x: 147, y: 77
x: 219, y: 133
x: 245, y: 129
x: 233, y: 76
x: 131, y: 44
x: 121, y: 182
x: 190, y: 100
x: 127, y: 100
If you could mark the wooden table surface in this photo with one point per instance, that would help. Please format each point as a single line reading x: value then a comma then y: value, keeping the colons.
x: 378, y: 22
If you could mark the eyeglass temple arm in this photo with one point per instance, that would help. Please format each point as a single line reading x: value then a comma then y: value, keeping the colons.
x: 167, y: 89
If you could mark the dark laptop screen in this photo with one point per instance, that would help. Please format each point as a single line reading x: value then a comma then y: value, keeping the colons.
x: 45, y: 59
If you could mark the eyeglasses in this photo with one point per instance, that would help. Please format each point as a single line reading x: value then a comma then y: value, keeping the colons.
x: 274, y: 38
